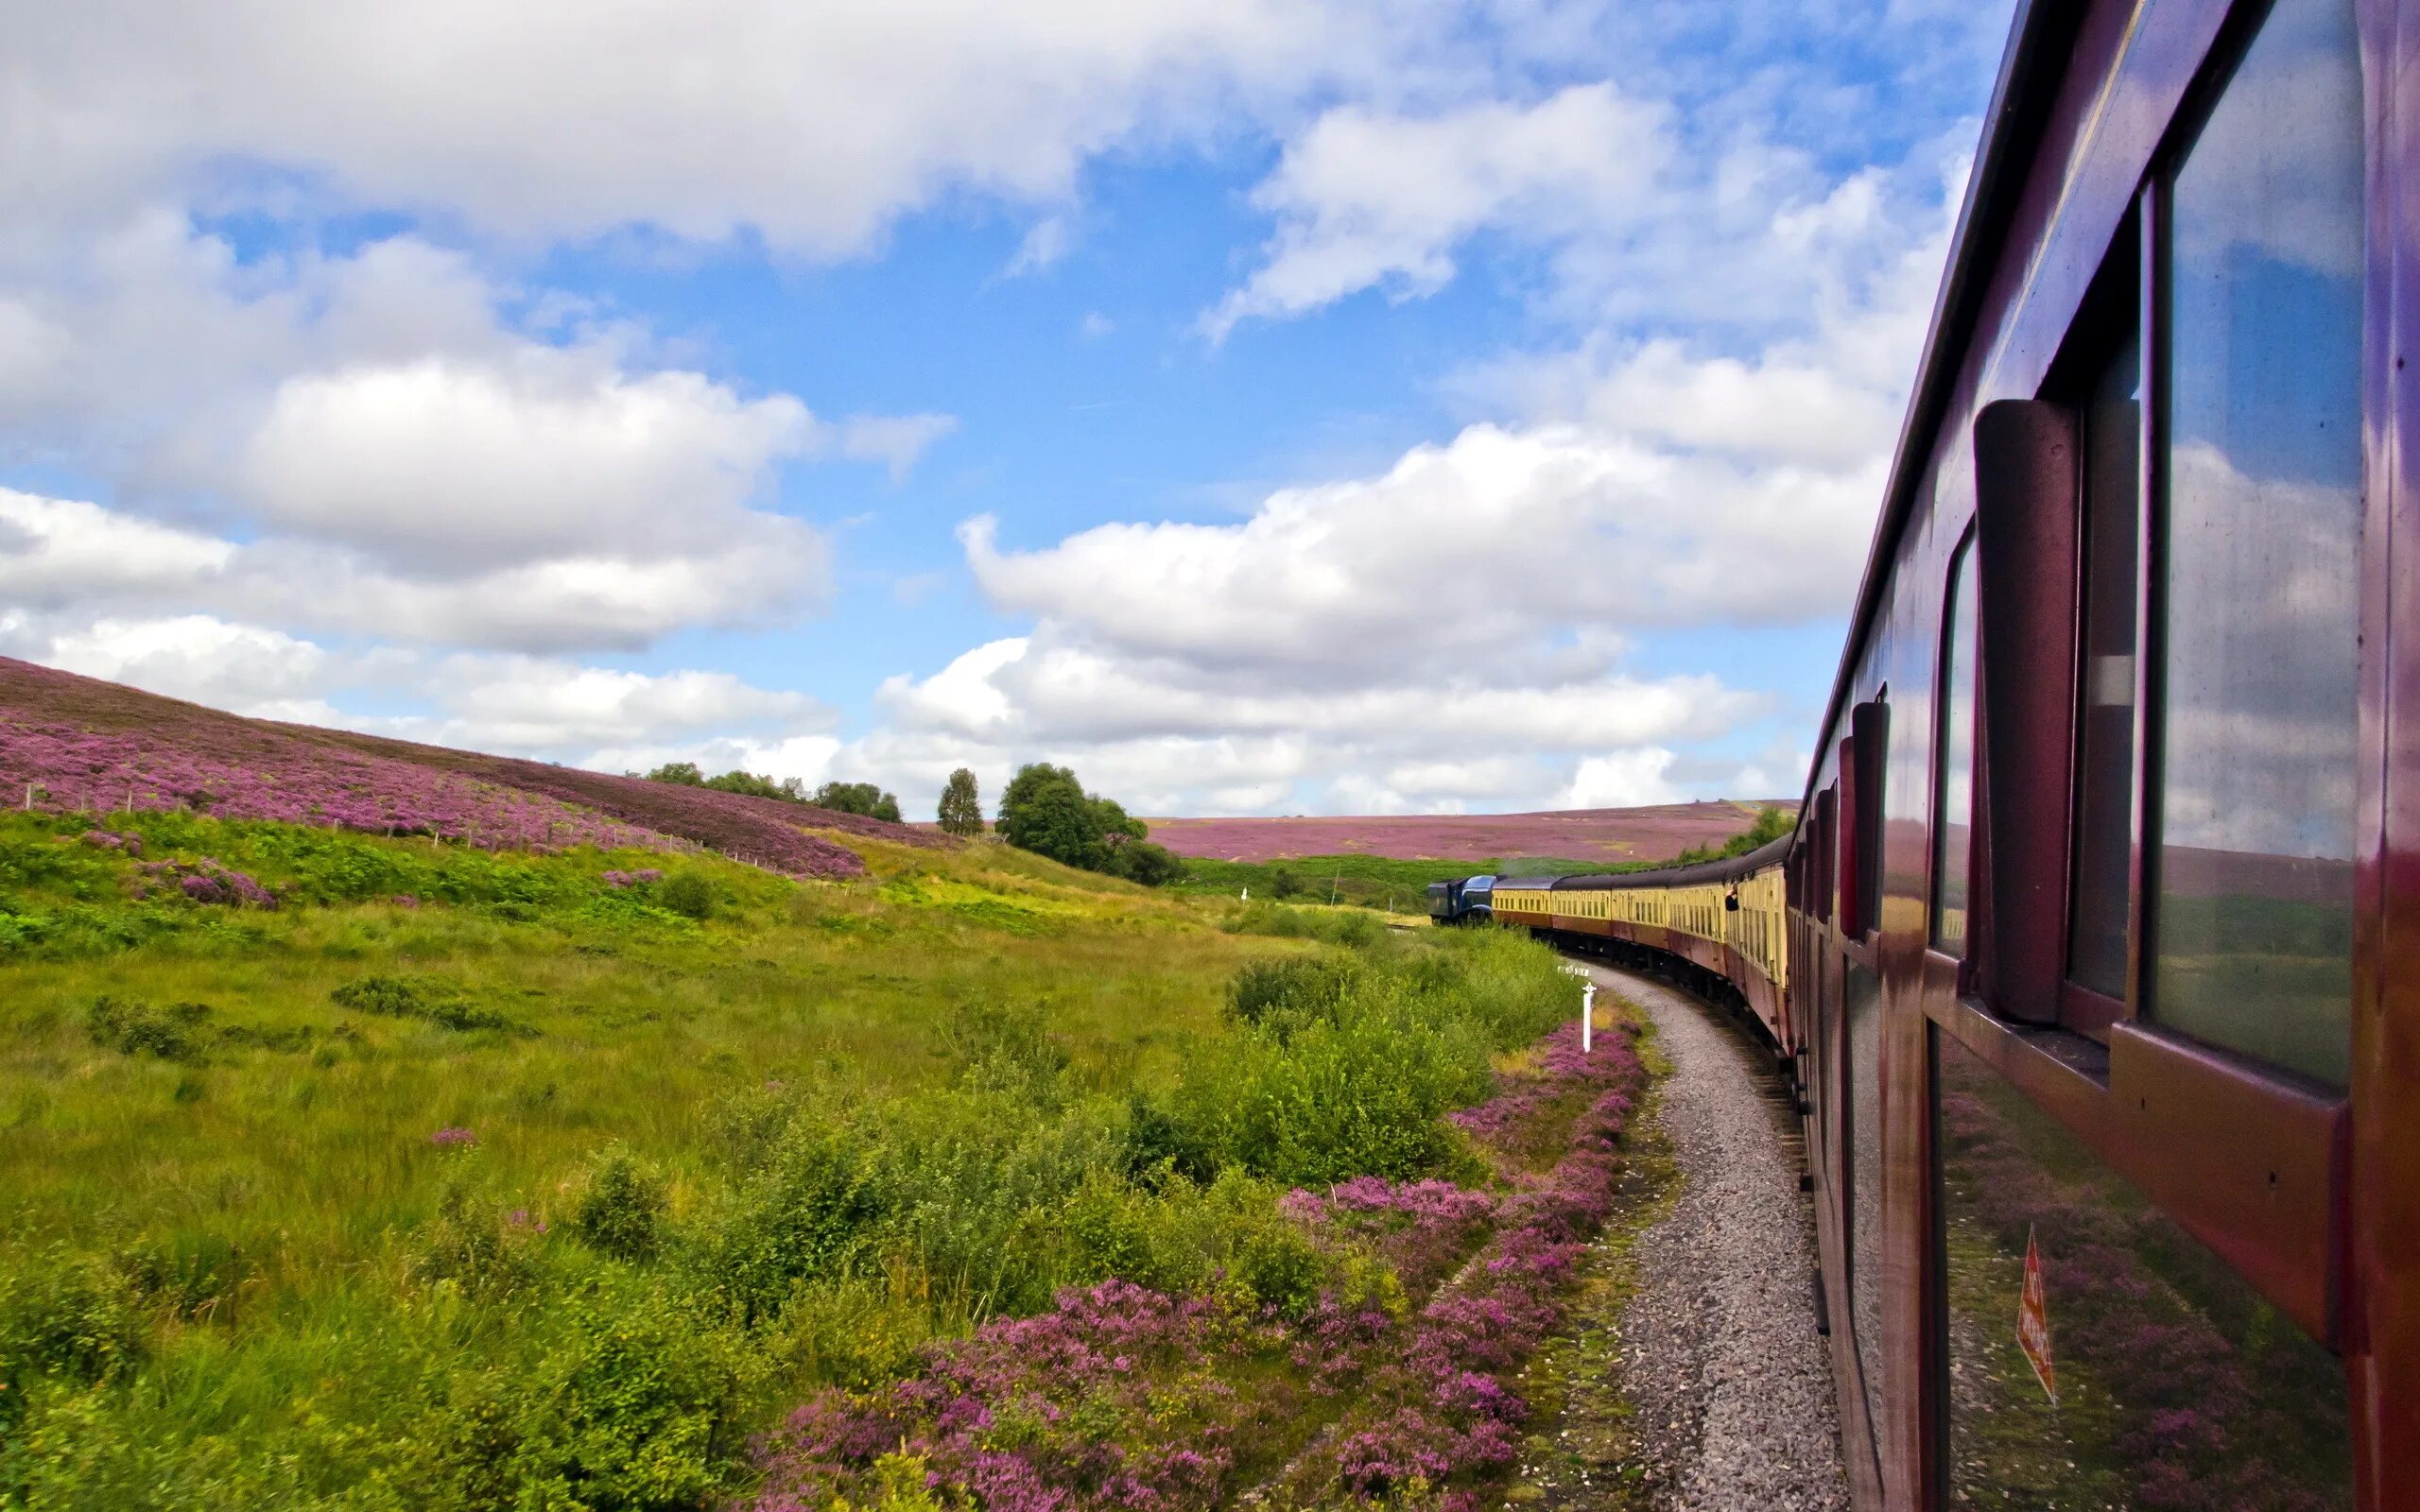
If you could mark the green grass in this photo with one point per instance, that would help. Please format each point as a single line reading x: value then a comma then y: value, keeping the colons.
x: 709, y: 1162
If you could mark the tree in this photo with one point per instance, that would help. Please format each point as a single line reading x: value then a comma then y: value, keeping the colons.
x: 1044, y: 810
x: 1047, y: 811
x: 962, y: 810
x: 754, y: 786
x: 1153, y: 865
x: 684, y: 773
x: 857, y: 798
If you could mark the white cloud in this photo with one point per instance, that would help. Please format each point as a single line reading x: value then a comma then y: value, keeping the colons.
x: 815, y: 125
x: 439, y: 463
x: 897, y: 441
x: 544, y: 707
x: 59, y: 555
x: 1046, y: 242
x: 396, y: 455
x: 1631, y: 778
x: 1367, y: 199
x: 1490, y: 527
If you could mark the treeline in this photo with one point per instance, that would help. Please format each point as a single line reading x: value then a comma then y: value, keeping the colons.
x: 1045, y: 809
x: 862, y: 799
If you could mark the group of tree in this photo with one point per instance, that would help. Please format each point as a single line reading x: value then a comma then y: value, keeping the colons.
x: 1047, y: 811
x: 863, y: 799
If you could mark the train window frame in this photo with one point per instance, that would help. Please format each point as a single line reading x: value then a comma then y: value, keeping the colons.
x: 1962, y: 560
x: 2118, y: 311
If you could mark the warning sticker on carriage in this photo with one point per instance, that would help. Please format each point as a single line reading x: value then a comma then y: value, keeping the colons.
x: 2034, y: 1321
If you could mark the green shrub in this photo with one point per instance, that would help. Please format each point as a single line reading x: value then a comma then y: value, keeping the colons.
x: 1157, y: 1146
x: 173, y: 1032
x: 805, y: 1212
x: 1281, y: 1268
x: 67, y: 1317
x: 436, y: 1001
x: 621, y: 1207
x: 640, y: 1405
x: 1310, y: 985
x: 687, y: 893
x: 466, y: 1246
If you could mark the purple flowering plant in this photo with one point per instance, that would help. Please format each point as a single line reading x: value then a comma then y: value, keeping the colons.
x: 1121, y: 1396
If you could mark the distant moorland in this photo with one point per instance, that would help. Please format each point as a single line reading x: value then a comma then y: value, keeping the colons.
x: 1588, y: 837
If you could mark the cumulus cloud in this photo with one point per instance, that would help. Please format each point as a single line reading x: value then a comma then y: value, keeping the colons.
x: 1457, y: 629
x: 1493, y: 526
x: 397, y: 454
x: 1367, y: 199
x: 544, y: 707
x: 814, y: 126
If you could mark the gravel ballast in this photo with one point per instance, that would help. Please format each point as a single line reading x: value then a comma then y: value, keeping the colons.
x: 1731, y: 1386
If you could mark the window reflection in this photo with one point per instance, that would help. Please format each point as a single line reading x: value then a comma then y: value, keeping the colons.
x: 2177, y: 1384
x: 1861, y: 1003
x: 1951, y: 829
x: 2262, y: 542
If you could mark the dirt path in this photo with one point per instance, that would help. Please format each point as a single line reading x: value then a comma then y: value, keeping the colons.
x: 1691, y: 1376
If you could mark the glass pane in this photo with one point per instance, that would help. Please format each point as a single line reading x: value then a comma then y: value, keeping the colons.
x: 2177, y: 1386
x: 1862, y: 1003
x: 2263, y: 540
x: 2111, y: 518
x: 1952, y: 826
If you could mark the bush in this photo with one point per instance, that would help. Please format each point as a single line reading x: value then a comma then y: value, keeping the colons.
x: 805, y: 1214
x: 621, y: 1207
x: 1312, y: 985
x: 68, y: 1318
x: 466, y: 1245
x: 173, y: 1032
x: 410, y: 997
x: 639, y: 1406
x: 687, y: 893
x: 1281, y: 1268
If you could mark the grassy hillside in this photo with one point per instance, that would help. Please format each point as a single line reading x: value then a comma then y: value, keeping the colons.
x: 77, y: 745
x: 357, y: 1171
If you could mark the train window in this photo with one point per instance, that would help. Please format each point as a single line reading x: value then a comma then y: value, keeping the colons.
x: 2262, y: 542
x: 2105, y: 388
x: 1954, y: 787
x: 2162, y: 1378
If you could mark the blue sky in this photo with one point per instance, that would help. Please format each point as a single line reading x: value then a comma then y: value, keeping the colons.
x: 1263, y: 408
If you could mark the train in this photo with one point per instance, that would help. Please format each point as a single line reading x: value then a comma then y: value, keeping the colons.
x: 2085, y: 955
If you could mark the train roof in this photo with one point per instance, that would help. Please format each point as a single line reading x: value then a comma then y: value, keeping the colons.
x: 2040, y: 36
x: 1730, y: 869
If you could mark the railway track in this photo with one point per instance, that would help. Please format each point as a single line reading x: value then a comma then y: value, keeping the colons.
x: 1702, y: 1382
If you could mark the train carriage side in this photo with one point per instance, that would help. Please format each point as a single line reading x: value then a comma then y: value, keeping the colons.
x: 2095, y: 905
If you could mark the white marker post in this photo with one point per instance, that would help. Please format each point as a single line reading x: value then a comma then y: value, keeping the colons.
x: 1587, y: 1013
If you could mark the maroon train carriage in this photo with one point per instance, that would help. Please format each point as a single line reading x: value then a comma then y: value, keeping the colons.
x: 2098, y: 906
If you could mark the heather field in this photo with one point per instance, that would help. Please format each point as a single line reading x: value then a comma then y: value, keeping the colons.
x: 74, y: 745
x: 483, y: 1165
x: 1585, y: 838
